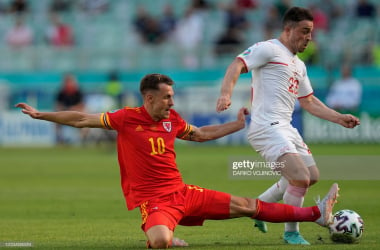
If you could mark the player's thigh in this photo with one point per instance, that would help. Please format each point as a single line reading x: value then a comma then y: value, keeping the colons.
x: 294, y: 169
x: 166, y: 210
x: 159, y: 236
x: 314, y: 174
x: 307, y: 157
x: 205, y: 204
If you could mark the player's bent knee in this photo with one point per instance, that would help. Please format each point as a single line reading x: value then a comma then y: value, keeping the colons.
x: 160, y: 243
x: 314, y: 174
x: 300, y: 183
x: 312, y: 182
x: 159, y: 236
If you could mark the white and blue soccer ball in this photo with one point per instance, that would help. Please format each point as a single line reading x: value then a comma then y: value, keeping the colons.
x: 347, y: 227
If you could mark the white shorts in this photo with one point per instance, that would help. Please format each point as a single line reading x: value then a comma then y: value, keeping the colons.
x: 273, y: 141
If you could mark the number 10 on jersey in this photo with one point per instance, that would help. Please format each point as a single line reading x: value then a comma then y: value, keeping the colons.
x: 158, y: 145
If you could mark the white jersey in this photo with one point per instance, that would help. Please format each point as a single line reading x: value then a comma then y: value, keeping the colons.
x: 278, y: 78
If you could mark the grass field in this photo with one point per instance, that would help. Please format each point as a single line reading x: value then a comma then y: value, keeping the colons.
x: 69, y: 197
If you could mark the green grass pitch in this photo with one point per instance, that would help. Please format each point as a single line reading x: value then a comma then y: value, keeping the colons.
x: 70, y: 197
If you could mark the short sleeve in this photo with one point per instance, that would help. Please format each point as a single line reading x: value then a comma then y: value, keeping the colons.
x: 183, y: 128
x: 305, y: 88
x: 257, y: 55
x: 113, y: 119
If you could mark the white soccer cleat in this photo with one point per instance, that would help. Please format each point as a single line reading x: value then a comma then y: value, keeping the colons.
x: 326, y: 206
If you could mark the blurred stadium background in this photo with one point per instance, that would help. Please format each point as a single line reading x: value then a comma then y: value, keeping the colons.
x: 180, y: 38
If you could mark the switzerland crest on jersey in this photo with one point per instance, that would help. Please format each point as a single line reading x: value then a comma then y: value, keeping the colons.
x: 167, y: 126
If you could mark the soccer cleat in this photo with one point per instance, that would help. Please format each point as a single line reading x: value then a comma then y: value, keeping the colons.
x: 177, y: 242
x: 326, y: 206
x: 295, y: 238
x: 261, y: 225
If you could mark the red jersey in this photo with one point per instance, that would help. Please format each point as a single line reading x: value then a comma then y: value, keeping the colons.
x: 146, y: 152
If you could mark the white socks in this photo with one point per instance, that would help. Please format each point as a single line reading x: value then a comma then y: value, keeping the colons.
x: 291, y: 195
x: 275, y: 192
x: 294, y: 196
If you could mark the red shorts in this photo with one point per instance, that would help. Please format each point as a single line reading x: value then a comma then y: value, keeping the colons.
x: 189, y: 206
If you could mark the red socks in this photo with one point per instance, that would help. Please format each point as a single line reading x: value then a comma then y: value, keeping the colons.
x: 278, y: 212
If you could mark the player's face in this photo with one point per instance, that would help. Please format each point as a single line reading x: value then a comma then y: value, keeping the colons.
x: 162, y: 101
x: 300, y: 36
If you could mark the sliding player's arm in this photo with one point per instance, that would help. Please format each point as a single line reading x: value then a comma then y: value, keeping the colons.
x: 212, y: 132
x: 70, y: 118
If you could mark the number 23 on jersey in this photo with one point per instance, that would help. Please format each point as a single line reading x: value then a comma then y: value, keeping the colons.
x: 293, y: 87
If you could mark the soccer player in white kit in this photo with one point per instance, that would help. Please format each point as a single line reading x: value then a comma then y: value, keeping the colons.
x: 279, y: 78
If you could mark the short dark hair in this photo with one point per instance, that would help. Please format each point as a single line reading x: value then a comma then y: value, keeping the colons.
x: 151, y: 82
x: 295, y: 15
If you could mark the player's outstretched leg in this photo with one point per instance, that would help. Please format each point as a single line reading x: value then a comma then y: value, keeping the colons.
x: 277, y: 212
x: 326, y: 206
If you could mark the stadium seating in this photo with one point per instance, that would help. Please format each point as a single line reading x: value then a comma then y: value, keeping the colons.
x: 107, y: 41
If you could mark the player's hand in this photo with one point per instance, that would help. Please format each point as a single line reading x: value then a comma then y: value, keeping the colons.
x: 223, y: 103
x: 349, y: 121
x: 241, y: 115
x: 26, y: 109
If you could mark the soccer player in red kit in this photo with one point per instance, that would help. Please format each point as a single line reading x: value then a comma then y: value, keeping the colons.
x: 149, y: 174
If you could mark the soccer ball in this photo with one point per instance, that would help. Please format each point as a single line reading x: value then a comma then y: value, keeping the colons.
x: 347, y: 227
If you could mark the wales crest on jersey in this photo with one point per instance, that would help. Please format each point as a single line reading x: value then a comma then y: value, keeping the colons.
x: 167, y: 126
